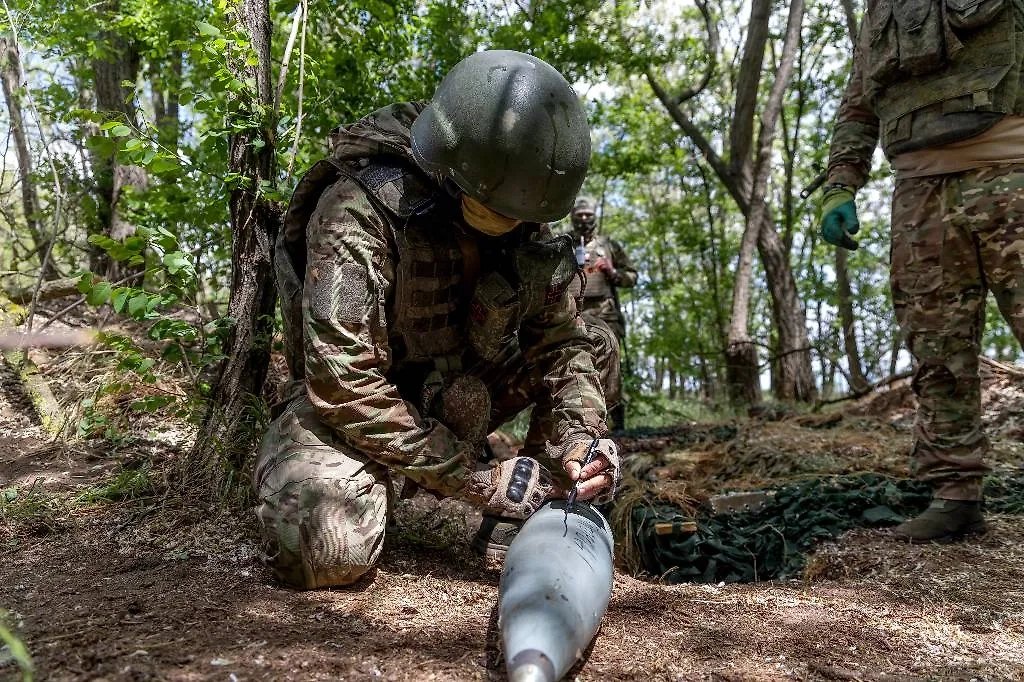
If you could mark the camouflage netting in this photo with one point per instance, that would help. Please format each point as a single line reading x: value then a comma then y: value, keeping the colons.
x: 828, y: 473
x: 773, y: 542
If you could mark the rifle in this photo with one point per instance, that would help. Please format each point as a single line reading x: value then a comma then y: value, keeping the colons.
x: 817, y: 182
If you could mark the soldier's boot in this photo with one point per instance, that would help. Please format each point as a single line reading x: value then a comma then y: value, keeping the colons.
x: 944, y: 521
x: 495, y: 535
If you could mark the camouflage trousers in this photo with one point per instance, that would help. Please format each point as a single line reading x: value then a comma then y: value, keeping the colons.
x: 955, y: 237
x: 323, y: 506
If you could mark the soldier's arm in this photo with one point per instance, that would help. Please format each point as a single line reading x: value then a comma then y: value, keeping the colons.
x: 566, y: 385
x: 855, y: 134
x: 625, y: 273
x: 346, y: 347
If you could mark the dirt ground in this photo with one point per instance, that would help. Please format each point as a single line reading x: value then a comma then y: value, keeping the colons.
x: 124, y: 591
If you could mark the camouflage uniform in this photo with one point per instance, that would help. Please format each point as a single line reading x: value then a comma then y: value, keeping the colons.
x: 599, y: 297
x: 414, y: 337
x: 955, y: 236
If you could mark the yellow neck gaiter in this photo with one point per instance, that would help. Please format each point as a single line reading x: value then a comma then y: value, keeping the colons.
x: 484, y: 219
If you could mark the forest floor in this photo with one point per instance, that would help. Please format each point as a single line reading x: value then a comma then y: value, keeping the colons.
x: 139, y: 589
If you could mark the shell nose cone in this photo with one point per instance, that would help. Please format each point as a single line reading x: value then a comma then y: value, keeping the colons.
x: 529, y: 672
x: 531, y: 665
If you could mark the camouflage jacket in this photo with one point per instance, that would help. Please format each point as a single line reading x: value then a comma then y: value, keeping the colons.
x: 385, y: 258
x: 599, y: 285
x: 926, y: 73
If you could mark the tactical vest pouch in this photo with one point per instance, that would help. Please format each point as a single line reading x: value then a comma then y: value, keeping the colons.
x: 492, y: 312
x: 967, y: 15
x: 919, y: 36
x: 967, y: 97
x: 883, y: 52
x: 546, y: 269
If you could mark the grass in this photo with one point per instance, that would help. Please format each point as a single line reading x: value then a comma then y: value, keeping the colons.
x: 34, y: 510
x: 14, y: 650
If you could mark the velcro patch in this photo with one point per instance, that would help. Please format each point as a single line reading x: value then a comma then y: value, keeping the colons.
x: 339, y: 293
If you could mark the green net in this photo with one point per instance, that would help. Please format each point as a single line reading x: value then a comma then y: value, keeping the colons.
x: 773, y: 541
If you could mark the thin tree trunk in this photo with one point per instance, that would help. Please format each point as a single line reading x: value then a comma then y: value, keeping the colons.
x: 227, y: 434
x: 115, y: 180
x: 797, y: 382
x: 166, y: 102
x: 10, y: 75
x: 846, y: 318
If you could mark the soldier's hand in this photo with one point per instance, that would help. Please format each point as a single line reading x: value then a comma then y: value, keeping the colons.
x: 515, y: 487
x: 605, y: 265
x: 599, y: 478
x: 839, y: 217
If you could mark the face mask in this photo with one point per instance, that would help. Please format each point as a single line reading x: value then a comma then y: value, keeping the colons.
x: 584, y: 223
x: 484, y: 219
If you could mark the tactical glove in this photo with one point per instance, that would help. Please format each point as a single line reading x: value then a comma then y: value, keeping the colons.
x: 839, y: 216
x: 514, y: 488
x: 605, y: 462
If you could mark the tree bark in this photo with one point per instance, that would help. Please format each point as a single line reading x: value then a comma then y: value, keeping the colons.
x: 10, y: 76
x: 119, y: 63
x: 227, y: 433
x: 846, y: 318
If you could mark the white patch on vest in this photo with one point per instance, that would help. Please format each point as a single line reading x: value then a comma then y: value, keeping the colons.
x: 508, y: 121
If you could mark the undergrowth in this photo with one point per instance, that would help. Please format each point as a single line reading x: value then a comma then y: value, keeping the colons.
x: 14, y: 650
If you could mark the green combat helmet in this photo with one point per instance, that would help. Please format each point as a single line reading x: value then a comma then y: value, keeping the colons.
x: 508, y: 129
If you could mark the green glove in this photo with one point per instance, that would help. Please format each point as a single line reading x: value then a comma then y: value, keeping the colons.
x: 839, y: 217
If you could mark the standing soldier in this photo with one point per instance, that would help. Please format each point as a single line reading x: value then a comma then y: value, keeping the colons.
x: 607, y: 268
x: 420, y: 314
x: 940, y: 83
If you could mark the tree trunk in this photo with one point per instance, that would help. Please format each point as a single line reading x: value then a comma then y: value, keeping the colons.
x: 795, y: 375
x: 796, y: 379
x: 227, y: 434
x: 166, y: 102
x: 858, y: 381
x: 742, y: 372
x: 659, y: 375
x: 10, y: 75
x: 115, y: 180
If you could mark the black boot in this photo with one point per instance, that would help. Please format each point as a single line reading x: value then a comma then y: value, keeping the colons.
x: 944, y: 521
x: 495, y: 535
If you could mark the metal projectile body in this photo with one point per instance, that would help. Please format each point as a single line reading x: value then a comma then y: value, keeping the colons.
x: 554, y: 590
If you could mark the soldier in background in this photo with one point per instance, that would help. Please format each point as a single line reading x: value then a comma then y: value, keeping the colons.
x: 607, y: 268
x: 420, y: 313
x: 940, y: 84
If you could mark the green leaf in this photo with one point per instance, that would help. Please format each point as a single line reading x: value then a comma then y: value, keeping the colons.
x: 163, y: 164
x: 85, y: 282
x: 120, y: 130
x: 137, y: 304
x: 120, y: 298
x: 177, y: 261
x: 99, y: 295
x: 207, y: 29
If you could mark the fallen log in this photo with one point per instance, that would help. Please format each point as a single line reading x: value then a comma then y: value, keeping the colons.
x: 51, y: 414
x: 48, y: 291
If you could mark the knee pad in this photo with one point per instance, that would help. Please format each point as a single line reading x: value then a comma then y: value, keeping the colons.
x: 322, y: 533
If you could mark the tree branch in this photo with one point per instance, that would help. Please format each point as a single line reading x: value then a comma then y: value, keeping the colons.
x: 712, y: 31
x: 695, y: 134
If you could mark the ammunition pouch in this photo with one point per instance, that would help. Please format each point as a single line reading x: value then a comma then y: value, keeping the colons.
x: 492, y: 315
